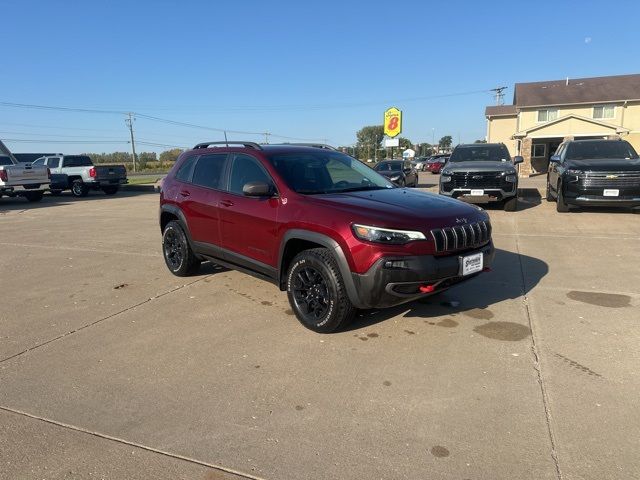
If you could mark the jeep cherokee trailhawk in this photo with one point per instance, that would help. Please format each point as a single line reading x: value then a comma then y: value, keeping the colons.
x: 319, y: 224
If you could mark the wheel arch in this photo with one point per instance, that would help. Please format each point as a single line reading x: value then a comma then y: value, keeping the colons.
x: 295, y: 241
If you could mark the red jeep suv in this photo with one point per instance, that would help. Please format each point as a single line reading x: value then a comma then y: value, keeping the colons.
x: 329, y: 230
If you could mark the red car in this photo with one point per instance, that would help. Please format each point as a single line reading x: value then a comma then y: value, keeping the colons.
x: 435, y: 164
x: 322, y: 226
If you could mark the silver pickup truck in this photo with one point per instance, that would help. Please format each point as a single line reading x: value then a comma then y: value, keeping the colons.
x: 21, y: 179
x: 78, y: 174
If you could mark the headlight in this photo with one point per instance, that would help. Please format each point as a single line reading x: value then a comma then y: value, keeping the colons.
x: 510, y: 178
x: 386, y: 235
x: 571, y: 171
x: 445, y: 178
x: 446, y: 172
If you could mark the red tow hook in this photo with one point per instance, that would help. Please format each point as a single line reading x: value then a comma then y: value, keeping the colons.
x: 427, y: 288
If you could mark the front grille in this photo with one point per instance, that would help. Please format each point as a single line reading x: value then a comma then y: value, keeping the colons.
x: 610, y: 179
x: 471, y: 235
x: 477, y: 180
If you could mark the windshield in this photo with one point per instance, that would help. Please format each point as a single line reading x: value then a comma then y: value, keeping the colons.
x: 388, y: 167
x: 490, y: 153
x: 4, y: 161
x: 611, y: 149
x: 326, y: 172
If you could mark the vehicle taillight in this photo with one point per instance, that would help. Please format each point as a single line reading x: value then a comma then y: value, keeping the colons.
x: 92, y: 172
x: 48, y: 172
x: 3, y: 176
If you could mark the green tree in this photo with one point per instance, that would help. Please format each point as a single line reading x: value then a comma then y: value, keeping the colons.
x: 170, y: 156
x: 145, y: 157
x: 405, y: 143
x: 368, y: 138
x: 445, y: 142
x: 480, y: 141
x: 424, y: 149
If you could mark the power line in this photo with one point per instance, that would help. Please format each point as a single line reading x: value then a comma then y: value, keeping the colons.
x: 54, y: 135
x: 26, y: 140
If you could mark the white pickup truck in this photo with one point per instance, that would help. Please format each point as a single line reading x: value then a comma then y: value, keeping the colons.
x: 78, y: 174
x: 21, y: 179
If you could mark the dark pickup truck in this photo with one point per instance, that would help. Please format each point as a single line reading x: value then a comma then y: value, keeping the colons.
x: 481, y: 173
x: 78, y: 174
x: 594, y: 173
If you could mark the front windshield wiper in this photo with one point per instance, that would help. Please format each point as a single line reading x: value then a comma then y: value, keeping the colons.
x: 361, y: 189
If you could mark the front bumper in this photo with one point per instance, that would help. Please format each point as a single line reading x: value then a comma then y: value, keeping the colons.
x: 490, y: 194
x: 576, y: 194
x: 382, y: 286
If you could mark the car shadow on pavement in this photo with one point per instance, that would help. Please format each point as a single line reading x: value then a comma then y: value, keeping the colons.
x: 8, y: 204
x: 513, y: 275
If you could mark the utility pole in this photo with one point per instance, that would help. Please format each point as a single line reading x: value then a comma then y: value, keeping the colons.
x: 266, y: 137
x: 499, y: 94
x: 129, y: 121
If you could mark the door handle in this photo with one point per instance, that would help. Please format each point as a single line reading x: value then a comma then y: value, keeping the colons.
x: 184, y: 193
x: 226, y: 203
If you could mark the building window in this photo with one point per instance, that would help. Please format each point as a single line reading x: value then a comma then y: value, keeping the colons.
x: 547, y: 115
x: 604, y: 111
x: 539, y: 150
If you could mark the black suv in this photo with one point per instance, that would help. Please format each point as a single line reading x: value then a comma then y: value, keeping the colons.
x: 594, y: 173
x: 482, y: 173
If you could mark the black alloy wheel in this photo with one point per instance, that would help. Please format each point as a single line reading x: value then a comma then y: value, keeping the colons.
x: 316, y: 291
x: 177, y: 252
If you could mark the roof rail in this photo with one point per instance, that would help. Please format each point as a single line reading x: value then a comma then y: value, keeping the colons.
x: 253, y: 145
x: 314, y: 145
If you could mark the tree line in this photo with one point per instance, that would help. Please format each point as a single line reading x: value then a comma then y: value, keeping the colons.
x: 144, y: 160
x: 369, y: 145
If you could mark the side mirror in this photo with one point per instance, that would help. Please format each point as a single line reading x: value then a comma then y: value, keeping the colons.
x: 554, y: 159
x: 517, y: 159
x: 257, y: 189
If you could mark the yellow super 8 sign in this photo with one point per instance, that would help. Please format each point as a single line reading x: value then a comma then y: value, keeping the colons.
x: 392, y: 122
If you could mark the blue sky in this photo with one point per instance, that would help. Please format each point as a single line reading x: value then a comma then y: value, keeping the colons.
x: 316, y: 70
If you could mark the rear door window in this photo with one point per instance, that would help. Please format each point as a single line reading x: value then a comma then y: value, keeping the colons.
x: 77, y: 161
x: 209, y: 171
x: 53, y: 162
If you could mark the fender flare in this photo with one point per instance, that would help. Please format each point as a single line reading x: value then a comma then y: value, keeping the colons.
x: 336, y: 250
x: 174, y: 210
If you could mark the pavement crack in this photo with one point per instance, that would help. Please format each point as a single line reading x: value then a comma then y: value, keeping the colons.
x: 130, y: 443
x: 538, y: 368
x: 95, y: 322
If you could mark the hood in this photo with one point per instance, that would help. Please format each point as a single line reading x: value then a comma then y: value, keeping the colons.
x: 402, y: 208
x: 604, y: 165
x: 480, y: 166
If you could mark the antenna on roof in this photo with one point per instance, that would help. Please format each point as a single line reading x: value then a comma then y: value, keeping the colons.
x: 499, y: 94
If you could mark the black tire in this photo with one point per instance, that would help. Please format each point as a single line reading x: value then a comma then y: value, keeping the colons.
x: 316, y: 291
x: 177, y: 253
x: 55, y: 193
x: 561, y: 206
x: 548, y: 195
x: 511, y: 204
x: 110, y: 190
x: 79, y: 189
x: 34, y: 196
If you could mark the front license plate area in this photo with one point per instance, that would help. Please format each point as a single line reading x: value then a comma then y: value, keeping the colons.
x: 611, y: 193
x: 471, y: 264
x: 477, y: 193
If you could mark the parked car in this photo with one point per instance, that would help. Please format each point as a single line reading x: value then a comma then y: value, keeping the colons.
x: 21, y: 179
x: 399, y: 172
x: 419, y: 163
x: 319, y: 224
x: 482, y: 173
x: 594, y: 173
x: 82, y: 175
x: 435, y: 164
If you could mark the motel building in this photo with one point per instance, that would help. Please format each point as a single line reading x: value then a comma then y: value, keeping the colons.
x: 543, y: 114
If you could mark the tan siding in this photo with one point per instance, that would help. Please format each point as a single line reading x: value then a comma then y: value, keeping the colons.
x: 501, y: 130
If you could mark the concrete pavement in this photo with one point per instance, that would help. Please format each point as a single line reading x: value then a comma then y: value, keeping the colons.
x: 112, y: 368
